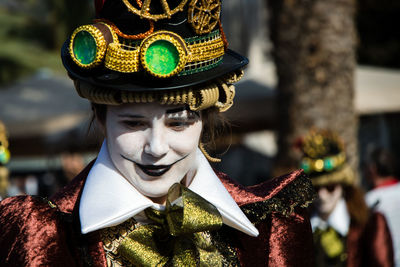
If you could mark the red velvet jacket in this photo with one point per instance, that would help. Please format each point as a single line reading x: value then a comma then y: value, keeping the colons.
x: 37, y: 232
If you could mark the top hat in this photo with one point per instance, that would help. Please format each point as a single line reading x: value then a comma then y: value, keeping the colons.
x: 151, y: 45
x: 324, y: 158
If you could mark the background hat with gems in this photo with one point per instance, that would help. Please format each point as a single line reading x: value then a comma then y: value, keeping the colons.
x: 139, y: 46
x: 4, y: 152
x: 324, y: 158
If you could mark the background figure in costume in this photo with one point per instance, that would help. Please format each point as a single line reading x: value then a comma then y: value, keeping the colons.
x: 4, y: 158
x: 385, y: 194
x: 346, y: 232
x: 158, y: 74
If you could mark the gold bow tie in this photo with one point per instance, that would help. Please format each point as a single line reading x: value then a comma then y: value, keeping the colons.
x: 175, y: 236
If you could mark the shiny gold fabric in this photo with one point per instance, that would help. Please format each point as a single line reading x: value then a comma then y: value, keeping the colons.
x: 112, y: 238
x: 175, y: 236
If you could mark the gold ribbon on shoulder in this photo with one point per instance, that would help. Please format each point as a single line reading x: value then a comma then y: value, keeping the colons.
x: 175, y: 237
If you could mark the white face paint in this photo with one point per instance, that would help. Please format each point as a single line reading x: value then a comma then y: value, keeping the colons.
x: 152, y: 145
x: 328, y: 197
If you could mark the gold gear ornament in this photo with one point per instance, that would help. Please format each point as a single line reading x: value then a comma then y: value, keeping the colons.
x: 204, y: 15
x: 144, y: 10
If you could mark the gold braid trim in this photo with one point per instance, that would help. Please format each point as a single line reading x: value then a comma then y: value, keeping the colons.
x: 299, y: 193
x: 218, y: 94
x: 3, y: 135
x: 205, y: 153
x: 99, y: 96
x: 205, y: 97
x: 234, y: 77
x: 344, y: 175
x: 122, y: 58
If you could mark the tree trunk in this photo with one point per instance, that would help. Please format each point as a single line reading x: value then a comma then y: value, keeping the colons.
x: 314, y: 51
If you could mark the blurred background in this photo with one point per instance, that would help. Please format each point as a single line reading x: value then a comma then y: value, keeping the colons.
x: 329, y: 64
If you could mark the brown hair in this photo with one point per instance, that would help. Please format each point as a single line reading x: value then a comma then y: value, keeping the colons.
x: 358, y: 209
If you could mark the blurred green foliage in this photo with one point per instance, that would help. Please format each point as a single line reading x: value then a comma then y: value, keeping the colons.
x: 33, y: 31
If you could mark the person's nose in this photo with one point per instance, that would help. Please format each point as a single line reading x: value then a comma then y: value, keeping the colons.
x: 156, y: 145
x: 322, y: 193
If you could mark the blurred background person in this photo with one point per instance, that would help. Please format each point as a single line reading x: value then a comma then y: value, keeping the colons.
x: 385, y: 195
x: 346, y: 232
x: 4, y: 158
x: 72, y: 164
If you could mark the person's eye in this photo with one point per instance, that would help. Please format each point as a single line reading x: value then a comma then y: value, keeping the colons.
x: 179, y: 125
x: 133, y: 124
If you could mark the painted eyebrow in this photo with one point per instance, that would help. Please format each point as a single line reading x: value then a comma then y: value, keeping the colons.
x: 168, y: 111
x: 176, y: 110
x: 131, y: 116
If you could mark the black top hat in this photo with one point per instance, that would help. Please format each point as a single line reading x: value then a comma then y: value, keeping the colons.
x: 135, y: 45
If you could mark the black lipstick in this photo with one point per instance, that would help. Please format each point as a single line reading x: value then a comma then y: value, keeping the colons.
x: 154, y: 170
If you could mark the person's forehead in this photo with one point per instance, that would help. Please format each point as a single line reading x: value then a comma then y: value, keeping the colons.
x: 147, y: 109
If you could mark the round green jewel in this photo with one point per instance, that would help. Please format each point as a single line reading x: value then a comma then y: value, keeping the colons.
x: 328, y: 164
x: 4, y: 155
x: 305, y: 166
x: 84, y: 47
x: 162, y: 57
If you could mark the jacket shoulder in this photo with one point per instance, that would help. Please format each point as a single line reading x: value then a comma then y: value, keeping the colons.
x: 282, y: 194
x: 15, y: 211
x: 31, y: 229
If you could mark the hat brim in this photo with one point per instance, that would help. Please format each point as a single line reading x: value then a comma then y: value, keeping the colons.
x: 344, y: 175
x: 103, y: 77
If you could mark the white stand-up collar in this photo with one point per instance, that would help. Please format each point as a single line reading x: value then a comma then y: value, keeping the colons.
x: 108, y: 199
x: 339, y: 219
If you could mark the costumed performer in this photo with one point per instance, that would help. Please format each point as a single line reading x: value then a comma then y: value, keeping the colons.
x: 346, y: 232
x: 157, y: 73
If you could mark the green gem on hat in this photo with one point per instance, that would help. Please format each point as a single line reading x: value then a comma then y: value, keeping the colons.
x: 162, y: 57
x: 328, y: 164
x: 84, y: 47
x: 305, y: 166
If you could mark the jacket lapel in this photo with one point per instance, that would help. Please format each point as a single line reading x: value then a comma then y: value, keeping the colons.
x: 89, y: 247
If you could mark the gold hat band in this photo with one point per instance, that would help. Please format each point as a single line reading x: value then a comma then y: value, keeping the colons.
x: 125, y: 58
x: 219, y: 94
x: 162, y: 54
x: 122, y: 58
x: 328, y: 163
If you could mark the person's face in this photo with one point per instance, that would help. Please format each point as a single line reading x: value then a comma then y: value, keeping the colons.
x: 328, y: 197
x: 152, y: 145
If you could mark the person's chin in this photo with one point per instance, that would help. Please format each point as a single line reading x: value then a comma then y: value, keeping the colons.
x: 152, y: 190
x: 159, y: 187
